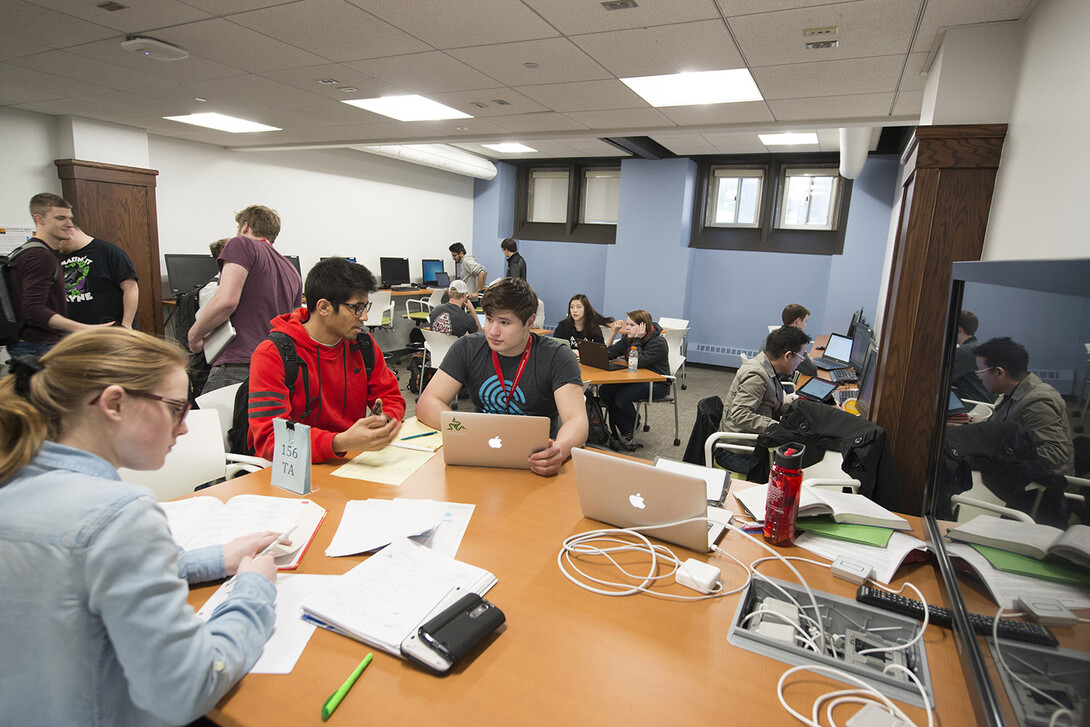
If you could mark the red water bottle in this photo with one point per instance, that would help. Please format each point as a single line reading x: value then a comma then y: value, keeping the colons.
x: 784, y: 487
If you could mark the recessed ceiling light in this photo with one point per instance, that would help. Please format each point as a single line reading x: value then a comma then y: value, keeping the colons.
x: 348, y: 89
x: 511, y: 147
x: 198, y: 99
x: 328, y: 81
x: 409, y: 108
x: 222, y: 123
x: 788, y: 139
x: 530, y: 64
x: 699, y: 87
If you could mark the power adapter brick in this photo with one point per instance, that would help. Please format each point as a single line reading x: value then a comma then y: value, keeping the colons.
x: 701, y: 577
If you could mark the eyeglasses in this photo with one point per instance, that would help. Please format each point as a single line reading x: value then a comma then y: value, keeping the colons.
x: 178, y: 409
x: 796, y: 353
x: 357, y: 308
x: 984, y: 371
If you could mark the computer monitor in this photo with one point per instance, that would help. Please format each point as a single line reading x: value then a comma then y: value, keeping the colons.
x: 394, y: 271
x: 857, y: 317
x: 346, y: 257
x: 860, y: 344
x: 294, y: 260
x: 428, y: 268
x: 866, y: 380
x: 188, y: 271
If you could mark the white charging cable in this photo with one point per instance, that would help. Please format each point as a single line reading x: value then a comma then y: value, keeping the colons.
x: 1062, y: 711
x: 865, y: 694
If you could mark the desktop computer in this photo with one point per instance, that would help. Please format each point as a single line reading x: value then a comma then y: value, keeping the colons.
x: 394, y: 272
x: 187, y: 271
x: 428, y: 269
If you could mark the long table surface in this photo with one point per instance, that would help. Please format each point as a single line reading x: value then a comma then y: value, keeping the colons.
x: 595, y: 376
x: 565, y: 656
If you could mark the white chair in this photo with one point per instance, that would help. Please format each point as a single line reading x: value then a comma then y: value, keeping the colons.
x: 539, y: 318
x: 675, y: 342
x: 436, y: 346
x: 198, y: 457
x: 827, y: 472
x: 673, y: 322
x: 221, y: 401
x: 773, y: 328
x: 670, y: 398
x: 382, y: 310
x: 423, y: 308
x: 979, y: 500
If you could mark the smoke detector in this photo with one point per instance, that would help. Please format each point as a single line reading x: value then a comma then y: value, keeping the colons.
x: 155, y: 49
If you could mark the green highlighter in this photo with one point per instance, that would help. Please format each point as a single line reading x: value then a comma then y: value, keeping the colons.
x: 332, y: 703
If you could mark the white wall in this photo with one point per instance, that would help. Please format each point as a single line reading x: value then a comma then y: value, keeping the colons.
x: 28, y: 146
x: 1039, y: 205
x: 972, y: 78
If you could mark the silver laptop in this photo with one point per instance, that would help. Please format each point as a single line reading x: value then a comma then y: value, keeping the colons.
x: 628, y: 494
x: 492, y: 440
x: 838, y: 353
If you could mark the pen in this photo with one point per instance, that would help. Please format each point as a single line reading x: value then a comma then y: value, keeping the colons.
x: 266, y: 551
x: 417, y: 436
x: 332, y: 703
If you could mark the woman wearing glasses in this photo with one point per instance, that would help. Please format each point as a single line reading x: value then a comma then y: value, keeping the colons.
x: 92, y: 586
x: 654, y: 354
x: 756, y: 395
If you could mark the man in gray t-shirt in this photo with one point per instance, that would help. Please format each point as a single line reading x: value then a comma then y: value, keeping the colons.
x: 489, y: 364
x: 457, y: 317
x: 468, y: 270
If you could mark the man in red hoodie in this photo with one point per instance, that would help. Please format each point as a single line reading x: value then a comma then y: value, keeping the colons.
x: 332, y: 365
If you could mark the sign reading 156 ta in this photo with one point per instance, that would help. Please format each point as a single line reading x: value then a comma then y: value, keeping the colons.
x: 291, y: 458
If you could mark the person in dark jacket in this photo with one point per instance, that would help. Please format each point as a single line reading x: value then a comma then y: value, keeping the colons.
x: 516, y: 264
x: 620, y: 399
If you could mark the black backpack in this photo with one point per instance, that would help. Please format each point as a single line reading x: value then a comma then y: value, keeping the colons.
x: 598, y: 432
x: 11, y: 318
x: 285, y: 345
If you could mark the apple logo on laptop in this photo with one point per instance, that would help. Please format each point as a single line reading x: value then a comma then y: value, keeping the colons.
x: 637, y: 501
x: 495, y: 442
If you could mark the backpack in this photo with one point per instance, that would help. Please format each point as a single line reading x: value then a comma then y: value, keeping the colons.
x: 598, y: 433
x: 285, y: 346
x: 11, y: 318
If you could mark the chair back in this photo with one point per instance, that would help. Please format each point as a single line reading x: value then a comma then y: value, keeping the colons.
x: 197, y: 457
x: 382, y: 309
x: 436, y: 298
x: 673, y: 322
x: 221, y: 401
x: 674, y: 338
x: 437, y: 345
x: 539, y: 318
x: 605, y: 332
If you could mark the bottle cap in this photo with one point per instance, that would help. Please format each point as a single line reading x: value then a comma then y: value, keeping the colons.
x: 789, y: 456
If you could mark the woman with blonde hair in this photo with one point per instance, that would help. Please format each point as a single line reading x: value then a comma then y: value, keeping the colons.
x: 620, y: 399
x: 93, y: 613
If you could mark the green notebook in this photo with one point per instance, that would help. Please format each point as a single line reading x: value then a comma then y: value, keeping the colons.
x: 864, y: 534
x: 1024, y: 565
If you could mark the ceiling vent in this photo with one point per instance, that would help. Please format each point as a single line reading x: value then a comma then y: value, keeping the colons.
x: 155, y: 49
x: 620, y: 5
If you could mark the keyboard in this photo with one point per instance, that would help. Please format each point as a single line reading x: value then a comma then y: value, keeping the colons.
x: 843, y: 376
x: 403, y: 288
x: 829, y: 364
x: 842, y: 395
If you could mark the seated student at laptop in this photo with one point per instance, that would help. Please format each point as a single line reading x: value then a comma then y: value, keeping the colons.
x: 639, y: 331
x: 756, y: 395
x: 582, y: 324
x: 796, y: 315
x: 509, y: 370
x: 341, y: 389
x: 457, y: 316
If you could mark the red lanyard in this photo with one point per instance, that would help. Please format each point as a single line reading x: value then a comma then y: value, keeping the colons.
x: 518, y: 373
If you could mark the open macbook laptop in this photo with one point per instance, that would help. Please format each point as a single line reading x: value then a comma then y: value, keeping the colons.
x: 596, y: 355
x: 492, y: 440
x: 838, y: 353
x: 627, y: 494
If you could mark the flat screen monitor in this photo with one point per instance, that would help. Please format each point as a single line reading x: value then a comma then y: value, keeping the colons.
x: 394, y: 270
x: 294, y: 260
x: 428, y: 269
x: 866, y: 379
x: 860, y: 343
x: 186, y: 271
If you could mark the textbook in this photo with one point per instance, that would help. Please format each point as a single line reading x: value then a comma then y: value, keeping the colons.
x: 843, y: 507
x: 200, y: 521
x: 1029, y: 539
x: 388, y: 596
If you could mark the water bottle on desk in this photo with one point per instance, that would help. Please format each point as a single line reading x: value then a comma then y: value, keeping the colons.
x: 784, y: 489
x: 633, y: 360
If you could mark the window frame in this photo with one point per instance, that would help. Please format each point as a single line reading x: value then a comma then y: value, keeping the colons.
x: 571, y: 230
x: 805, y: 171
x: 742, y: 172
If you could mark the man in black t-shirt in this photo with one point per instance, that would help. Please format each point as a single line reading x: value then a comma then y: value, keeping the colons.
x: 99, y: 281
x: 540, y: 376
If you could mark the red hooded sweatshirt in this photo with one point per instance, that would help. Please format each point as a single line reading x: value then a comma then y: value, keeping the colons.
x: 340, y: 390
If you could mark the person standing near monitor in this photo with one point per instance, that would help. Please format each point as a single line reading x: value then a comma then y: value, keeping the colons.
x: 99, y: 280
x: 516, y: 264
x: 468, y: 269
x: 256, y: 285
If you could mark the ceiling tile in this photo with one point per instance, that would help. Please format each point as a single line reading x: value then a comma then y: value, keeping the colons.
x: 749, y: 7
x: 35, y: 24
x: 465, y: 101
x: 307, y: 77
x: 942, y: 14
x: 832, y: 107
x: 908, y: 103
x: 425, y: 73
x: 584, y: 96
x: 454, y: 24
x: 700, y: 46
x: 13, y: 47
x: 228, y: 7
x: 594, y: 147
x: 685, y: 144
x: 833, y: 78
x: 138, y: 15
x: 735, y: 142
x: 913, y: 78
x: 334, y: 29
x: 464, y: 127
x: 321, y: 113
x: 720, y: 113
x: 394, y: 131
x: 536, y: 123
x: 558, y: 60
x: 189, y: 69
x: 621, y: 119
x: 64, y: 64
x: 22, y: 85
x: 866, y: 28
x: 233, y: 45
x: 590, y: 16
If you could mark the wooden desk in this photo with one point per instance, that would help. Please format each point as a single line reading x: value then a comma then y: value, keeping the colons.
x: 566, y: 656
x: 404, y: 293
x: 595, y: 377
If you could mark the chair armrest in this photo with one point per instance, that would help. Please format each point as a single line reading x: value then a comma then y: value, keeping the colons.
x: 712, y: 443
x: 832, y: 482
x: 1000, y: 510
x: 258, y: 462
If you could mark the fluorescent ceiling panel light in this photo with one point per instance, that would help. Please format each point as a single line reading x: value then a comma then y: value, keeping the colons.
x: 699, y: 87
x: 509, y: 148
x: 409, y: 108
x: 789, y: 139
x: 222, y: 123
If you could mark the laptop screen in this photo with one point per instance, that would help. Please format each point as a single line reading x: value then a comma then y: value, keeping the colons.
x: 442, y: 280
x: 839, y: 347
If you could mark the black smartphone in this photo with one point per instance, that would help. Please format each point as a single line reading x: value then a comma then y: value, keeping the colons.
x: 453, y: 633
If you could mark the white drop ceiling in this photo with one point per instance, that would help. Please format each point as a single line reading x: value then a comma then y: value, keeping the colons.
x: 540, y: 72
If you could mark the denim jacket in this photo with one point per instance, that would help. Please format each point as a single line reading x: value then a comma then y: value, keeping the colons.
x: 94, y: 624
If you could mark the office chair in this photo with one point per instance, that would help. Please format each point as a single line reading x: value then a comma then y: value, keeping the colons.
x: 422, y: 314
x: 436, y: 346
x: 221, y: 401
x: 539, y: 319
x: 676, y: 361
x: 382, y: 311
x: 675, y: 342
x: 825, y: 473
x: 979, y: 500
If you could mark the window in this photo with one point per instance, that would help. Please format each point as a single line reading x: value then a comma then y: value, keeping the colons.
x: 601, y: 195
x: 548, y: 195
x: 734, y: 197
x: 810, y: 199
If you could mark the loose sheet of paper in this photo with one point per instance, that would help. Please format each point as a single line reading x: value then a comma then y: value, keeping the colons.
x: 885, y: 561
x: 291, y: 633
x: 245, y: 514
x: 448, y: 536
x: 371, y: 524
x: 389, y: 466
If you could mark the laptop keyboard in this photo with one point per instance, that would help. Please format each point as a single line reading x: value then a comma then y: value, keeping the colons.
x: 842, y: 395
x: 829, y: 364
x: 843, y: 375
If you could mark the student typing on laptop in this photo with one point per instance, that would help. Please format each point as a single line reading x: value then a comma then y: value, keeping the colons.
x: 509, y: 370
x: 654, y: 354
